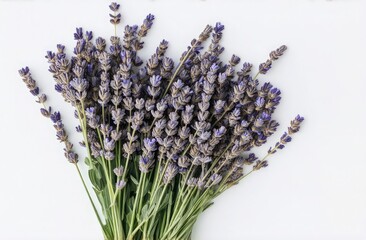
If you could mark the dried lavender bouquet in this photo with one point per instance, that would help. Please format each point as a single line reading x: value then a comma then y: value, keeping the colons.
x: 162, y: 141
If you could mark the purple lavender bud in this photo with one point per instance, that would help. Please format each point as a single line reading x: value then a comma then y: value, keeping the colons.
x: 138, y: 61
x: 115, y: 19
x: 218, y: 133
x: 117, y: 115
x: 58, y: 88
x: 118, y: 171
x: 61, y: 135
x: 201, y: 184
x: 215, y: 179
x: 89, y: 35
x: 205, y: 34
x: 259, y: 102
x: 42, y: 98
x: 214, y: 68
x: 219, y: 27
x: 95, y: 151
x: 72, y: 157
x: 258, y: 123
x: 270, y: 128
x: 114, y: 6
x: 120, y: 184
x: 78, y: 128
x: 204, y: 137
x: 79, y: 84
x: 298, y: 118
x: 201, y: 160
x: 50, y: 56
x: 270, y: 105
x: 145, y: 164
x: 58, y: 126
x: 280, y: 146
x: 109, y: 144
x: 246, y: 137
x: 234, y: 60
x: 146, y: 25
x: 238, y: 163
x: 170, y: 173
x: 79, y: 34
x: 205, y: 160
x: 295, y: 125
x: 116, y: 135
x: 150, y: 144
x: 260, y: 164
x: 79, y: 47
x: 90, y: 112
x: 163, y: 46
x: 178, y: 84
x: 244, y: 124
x: 155, y: 80
x: 55, y: 117
x: 115, y: 49
x: 221, y: 78
x: 60, y: 48
x: 274, y: 55
x: 266, y: 88
x: 46, y: 113
x: 285, y: 138
x: 106, y: 129
x: 265, y: 116
x: 35, y: 91
x: 24, y: 71
x: 149, y: 20
x: 250, y: 159
x: 275, y: 92
x: 246, y: 69
x: 183, y: 162
x: 264, y: 67
x: 100, y: 43
x: 109, y: 156
x: 126, y: 84
x: 104, y: 96
x: 192, y: 182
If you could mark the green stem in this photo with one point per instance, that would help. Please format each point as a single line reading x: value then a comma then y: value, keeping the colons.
x: 199, y: 202
x: 175, y: 219
x: 155, y: 190
x: 156, y: 209
x: 138, y: 193
x: 128, y: 156
x: 89, y: 196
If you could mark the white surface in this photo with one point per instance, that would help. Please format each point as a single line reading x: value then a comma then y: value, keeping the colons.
x: 315, y: 189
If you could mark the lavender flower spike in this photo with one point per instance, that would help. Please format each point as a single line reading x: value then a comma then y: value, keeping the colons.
x: 54, y: 116
x: 115, y: 17
x: 274, y: 55
x: 114, y: 6
x: 286, y: 137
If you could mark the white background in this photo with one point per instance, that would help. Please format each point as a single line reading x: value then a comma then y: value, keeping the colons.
x: 314, y: 189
